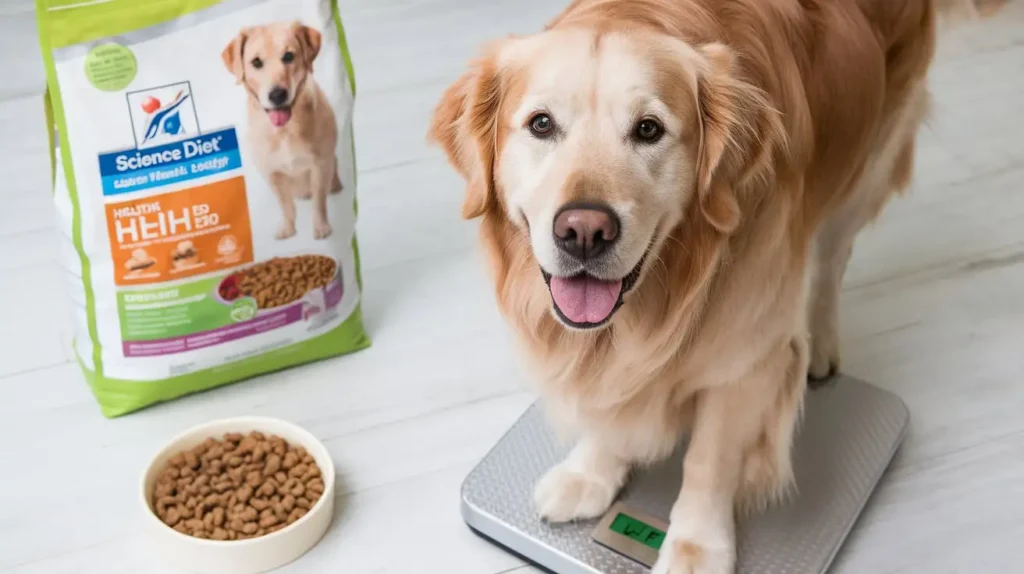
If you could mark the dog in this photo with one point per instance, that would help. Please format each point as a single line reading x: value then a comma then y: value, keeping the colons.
x: 292, y: 131
x: 669, y: 191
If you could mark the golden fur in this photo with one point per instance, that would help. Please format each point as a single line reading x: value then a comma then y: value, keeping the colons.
x: 298, y: 158
x: 791, y: 124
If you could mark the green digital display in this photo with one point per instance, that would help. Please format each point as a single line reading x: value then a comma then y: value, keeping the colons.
x: 634, y: 529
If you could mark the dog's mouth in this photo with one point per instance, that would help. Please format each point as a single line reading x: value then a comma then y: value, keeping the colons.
x: 587, y: 302
x: 279, y: 116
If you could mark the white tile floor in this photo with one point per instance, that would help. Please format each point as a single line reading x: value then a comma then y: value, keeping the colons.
x: 934, y: 310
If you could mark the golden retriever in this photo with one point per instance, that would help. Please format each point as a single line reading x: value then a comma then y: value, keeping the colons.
x: 669, y: 193
x: 292, y: 132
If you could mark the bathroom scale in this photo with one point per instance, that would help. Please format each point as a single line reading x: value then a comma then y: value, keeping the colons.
x: 849, y: 434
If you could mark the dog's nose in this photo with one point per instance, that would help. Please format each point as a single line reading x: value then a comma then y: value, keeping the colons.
x: 278, y: 96
x: 585, y: 230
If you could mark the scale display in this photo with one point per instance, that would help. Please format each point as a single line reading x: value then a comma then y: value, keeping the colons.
x: 632, y: 533
x: 637, y: 531
x: 849, y: 434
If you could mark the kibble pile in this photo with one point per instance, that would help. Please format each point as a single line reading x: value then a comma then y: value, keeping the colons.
x: 237, y: 488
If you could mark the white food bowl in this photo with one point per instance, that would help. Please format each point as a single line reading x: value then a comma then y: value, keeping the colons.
x: 252, y: 555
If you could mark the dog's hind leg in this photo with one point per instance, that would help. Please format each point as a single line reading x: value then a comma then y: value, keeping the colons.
x: 281, y: 185
x: 319, y: 178
x: 336, y: 186
x: 888, y: 172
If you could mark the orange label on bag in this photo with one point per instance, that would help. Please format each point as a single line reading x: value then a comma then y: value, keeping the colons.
x: 180, y: 234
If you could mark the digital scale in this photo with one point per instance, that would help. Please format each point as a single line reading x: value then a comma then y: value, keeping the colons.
x: 848, y: 436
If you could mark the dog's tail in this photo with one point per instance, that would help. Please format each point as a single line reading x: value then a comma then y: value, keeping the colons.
x: 952, y: 13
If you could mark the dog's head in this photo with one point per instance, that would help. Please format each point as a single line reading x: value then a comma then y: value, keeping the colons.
x: 273, y: 62
x: 597, y: 147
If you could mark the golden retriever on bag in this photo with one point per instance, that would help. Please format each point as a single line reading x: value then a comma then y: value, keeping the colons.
x: 292, y: 128
x: 669, y: 193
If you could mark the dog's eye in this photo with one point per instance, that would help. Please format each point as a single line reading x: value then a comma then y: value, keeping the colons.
x: 542, y: 126
x: 257, y: 63
x: 648, y: 131
x: 288, y: 57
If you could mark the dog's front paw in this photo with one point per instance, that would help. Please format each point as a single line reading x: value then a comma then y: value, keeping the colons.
x: 565, y: 494
x: 321, y: 230
x: 285, y: 230
x: 687, y: 556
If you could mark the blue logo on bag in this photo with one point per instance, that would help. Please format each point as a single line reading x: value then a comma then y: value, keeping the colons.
x: 169, y: 146
x: 163, y: 115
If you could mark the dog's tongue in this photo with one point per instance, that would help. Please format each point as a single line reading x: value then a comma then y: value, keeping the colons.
x: 279, y: 117
x: 583, y: 299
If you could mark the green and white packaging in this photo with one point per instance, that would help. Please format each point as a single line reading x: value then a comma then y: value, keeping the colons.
x: 204, y: 177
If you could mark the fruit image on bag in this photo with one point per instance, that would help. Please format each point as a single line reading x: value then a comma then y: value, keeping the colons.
x: 204, y: 177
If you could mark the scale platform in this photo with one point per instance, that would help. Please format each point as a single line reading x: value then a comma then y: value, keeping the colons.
x: 849, y: 434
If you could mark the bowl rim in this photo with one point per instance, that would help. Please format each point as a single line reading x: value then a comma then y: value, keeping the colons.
x: 253, y: 420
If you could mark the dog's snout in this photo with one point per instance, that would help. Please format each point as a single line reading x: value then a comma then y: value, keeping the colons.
x: 585, y: 231
x: 278, y: 96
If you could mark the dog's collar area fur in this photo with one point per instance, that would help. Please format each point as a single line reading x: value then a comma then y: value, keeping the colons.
x: 628, y: 282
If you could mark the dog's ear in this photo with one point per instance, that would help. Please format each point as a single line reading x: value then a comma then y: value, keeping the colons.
x: 740, y: 132
x: 311, y: 39
x: 232, y: 55
x: 465, y: 124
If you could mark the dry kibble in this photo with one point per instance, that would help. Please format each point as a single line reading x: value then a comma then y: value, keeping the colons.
x: 268, y: 519
x: 249, y: 514
x: 290, y: 460
x: 240, y: 487
x: 273, y: 463
x: 246, y: 446
x: 280, y: 512
x: 298, y: 470
x: 244, y: 493
x: 267, y: 490
x: 172, y: 517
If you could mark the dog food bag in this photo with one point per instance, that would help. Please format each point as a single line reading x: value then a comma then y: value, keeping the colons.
x: 204, y: 175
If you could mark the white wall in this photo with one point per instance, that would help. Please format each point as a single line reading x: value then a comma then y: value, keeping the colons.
x: 19, y: 44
